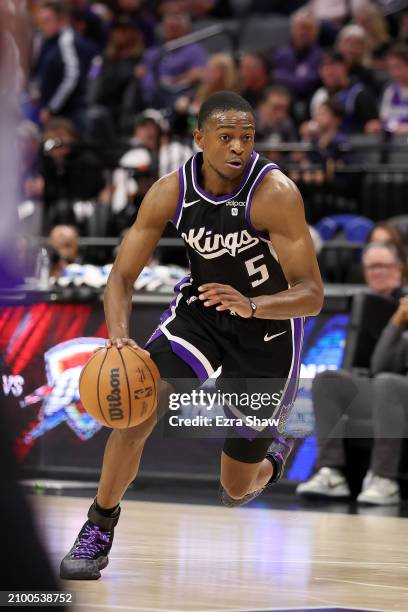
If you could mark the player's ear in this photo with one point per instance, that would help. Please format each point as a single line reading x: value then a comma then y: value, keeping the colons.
x: 198, y: 136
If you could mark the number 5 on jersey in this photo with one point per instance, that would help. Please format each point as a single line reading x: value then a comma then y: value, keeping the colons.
x: 257, y: 269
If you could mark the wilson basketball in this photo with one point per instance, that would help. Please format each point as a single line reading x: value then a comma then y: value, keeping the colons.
x: 119, y: 388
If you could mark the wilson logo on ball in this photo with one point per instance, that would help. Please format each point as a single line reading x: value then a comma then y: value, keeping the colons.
x: 114, y: 400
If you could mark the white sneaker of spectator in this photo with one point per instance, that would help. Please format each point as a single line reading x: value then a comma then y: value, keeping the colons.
x: 380, y: 492
x: 327, y: 482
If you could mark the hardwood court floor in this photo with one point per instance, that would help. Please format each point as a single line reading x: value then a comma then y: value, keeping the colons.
x: 180, y: 557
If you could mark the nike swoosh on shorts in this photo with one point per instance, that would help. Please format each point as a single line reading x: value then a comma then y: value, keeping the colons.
x: 267, y: 338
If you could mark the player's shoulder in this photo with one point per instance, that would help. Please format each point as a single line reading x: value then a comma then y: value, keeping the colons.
x: 277, y: 186
x: 166, y: 185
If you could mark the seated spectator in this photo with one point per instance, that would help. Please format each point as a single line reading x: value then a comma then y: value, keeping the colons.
x: 62, y: 66
x: 219, y: 74
x: 341, y: 393
x: 64, y: 239
x: 297, y: 65
x: 359, y: 105
x: 72, y: 174
x: 273, y: 121
x: 163, y: 77
x: 112, y: 74
x: 253, y: 73
x: 352, y: 44
x: 394, y: 103
x: 152, y: 155
x: 326, y: 138
x: 31, y: 182
x: 141, y: 17
x: 390, y: 410
x: 386, y: 232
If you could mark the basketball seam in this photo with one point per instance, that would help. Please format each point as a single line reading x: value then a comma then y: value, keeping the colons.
x: 97, y: 390
x: 151, y: 375
x: 128, y: 386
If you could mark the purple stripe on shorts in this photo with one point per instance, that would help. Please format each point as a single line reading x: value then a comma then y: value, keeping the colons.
x: 190, y: 359
x: 158, y: 332
x: 262, y: 233
x: 167, y: 313
x: 177, y: 214
x: 289, y: 396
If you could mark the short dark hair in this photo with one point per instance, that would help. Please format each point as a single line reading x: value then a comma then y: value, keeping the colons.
x: 334, y: 107
x: 223, y: 101
x: 332, y: 56
x: 399, y: 50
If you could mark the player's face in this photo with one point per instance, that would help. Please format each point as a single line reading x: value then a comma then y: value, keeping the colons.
x: 227, y: 141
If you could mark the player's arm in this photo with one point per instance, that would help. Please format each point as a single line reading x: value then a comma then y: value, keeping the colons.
x: 278, y: 208
x: 158, y: 207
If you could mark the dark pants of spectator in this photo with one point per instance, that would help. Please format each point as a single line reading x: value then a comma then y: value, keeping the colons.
x: 344, y: 402
x: 340, y: 400
x: 390, y: 411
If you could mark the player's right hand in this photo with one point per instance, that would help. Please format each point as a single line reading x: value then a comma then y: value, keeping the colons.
x: 121, y: 342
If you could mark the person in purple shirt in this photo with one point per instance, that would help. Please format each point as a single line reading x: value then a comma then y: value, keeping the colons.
x: 394, y: 103
x: 165, y: 76
x: 297, y: 65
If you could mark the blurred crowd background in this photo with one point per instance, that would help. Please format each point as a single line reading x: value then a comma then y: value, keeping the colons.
x: 113, y: 90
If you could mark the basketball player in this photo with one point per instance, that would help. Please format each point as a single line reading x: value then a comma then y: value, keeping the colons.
x: 254, y: 277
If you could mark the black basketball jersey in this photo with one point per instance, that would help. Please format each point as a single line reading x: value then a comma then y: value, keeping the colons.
x: 222, y: 245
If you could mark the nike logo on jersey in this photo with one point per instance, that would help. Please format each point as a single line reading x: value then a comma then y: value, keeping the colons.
x: 211, y: 245
x: 186, y: 204
x: 267, y: 338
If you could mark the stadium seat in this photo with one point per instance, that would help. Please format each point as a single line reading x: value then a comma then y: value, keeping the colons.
x: 265, y: 33
x: 220, y: 43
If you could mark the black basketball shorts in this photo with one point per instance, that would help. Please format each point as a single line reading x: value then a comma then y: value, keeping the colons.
x: 256, y: 356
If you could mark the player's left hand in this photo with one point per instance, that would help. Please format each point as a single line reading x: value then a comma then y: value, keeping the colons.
x: 227, y: 297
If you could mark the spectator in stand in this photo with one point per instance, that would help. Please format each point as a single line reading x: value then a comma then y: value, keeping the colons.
x: 72, y: 174
x: 273, y: 120
x: 165, y: 77
x: 359, y: 105
x: 112, y: 75
x: 352, y: 44
x: 341, y: 393
x: 62, y: 66
x: 141, y: 17
x: 87, y: 22
x: 64, y: 239
x: 389, y: 397
x: 394, y: 103
x: 386, y: 232
x: 253, y: 73
x: 297, y: 65
x: 154, y: 153
x: 219, y: 74
x: 370, y: 18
